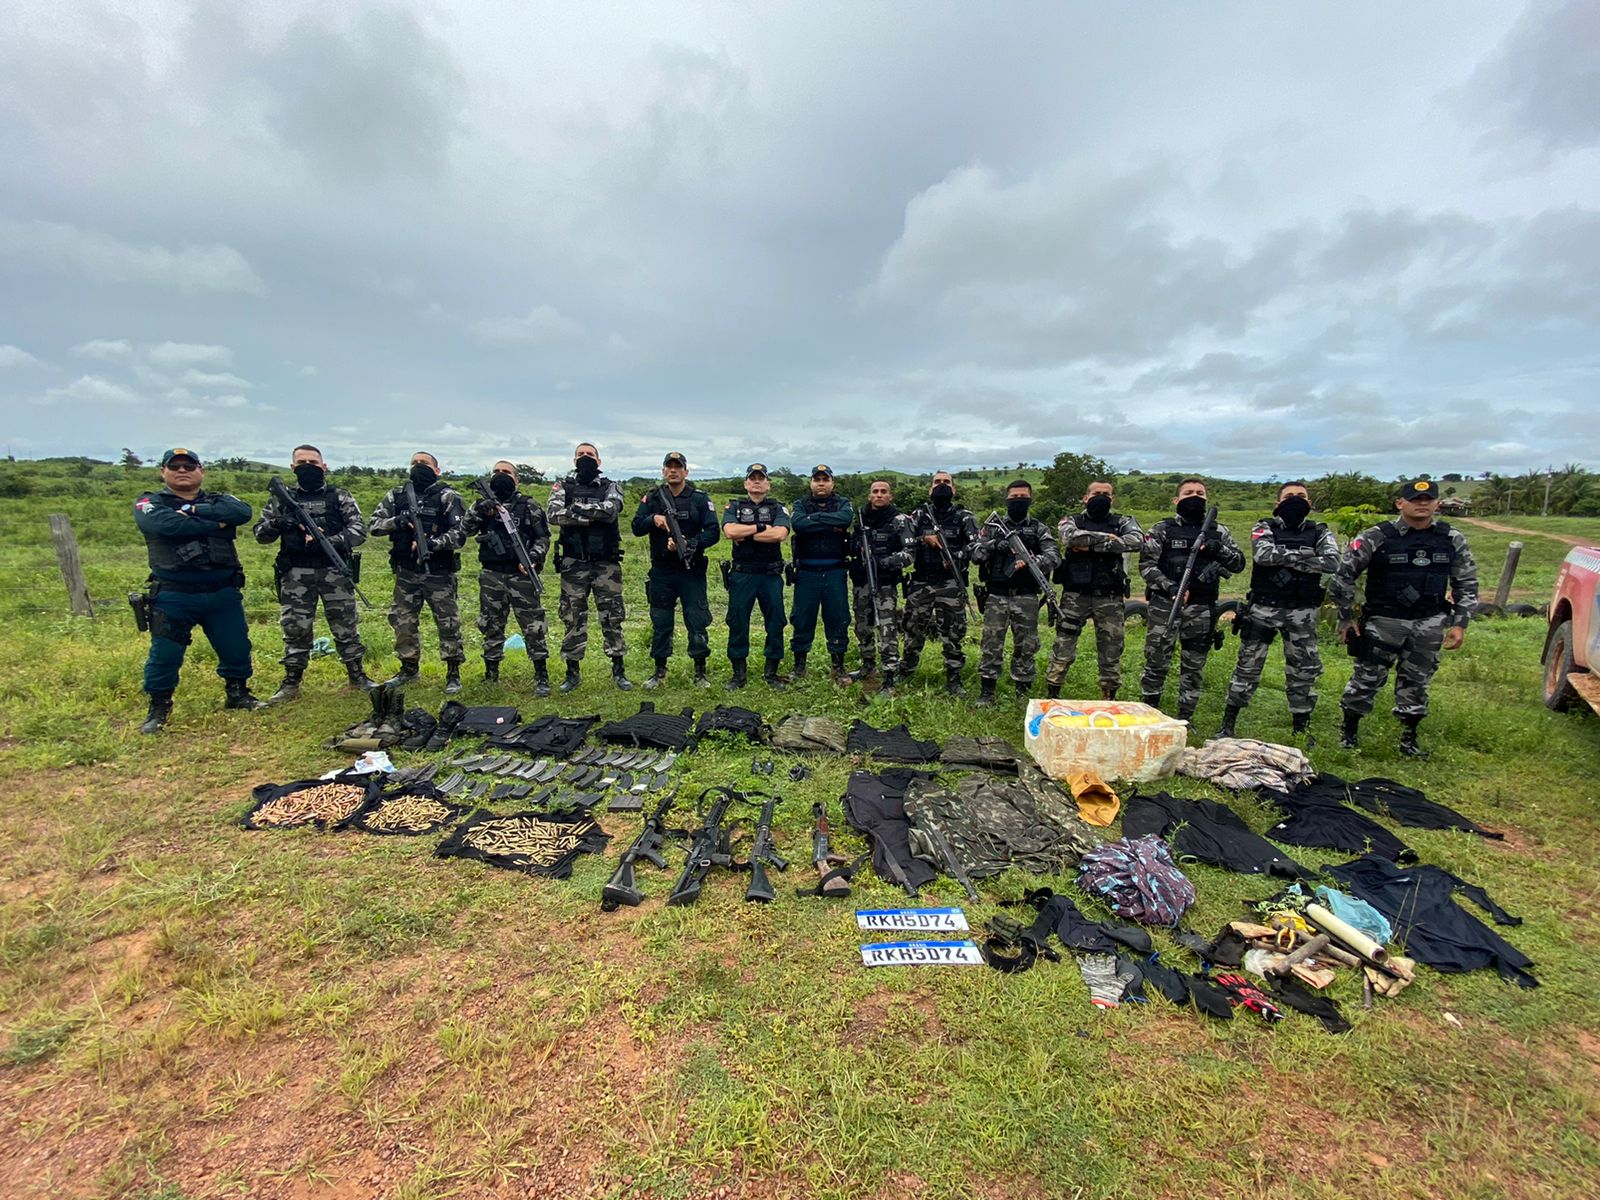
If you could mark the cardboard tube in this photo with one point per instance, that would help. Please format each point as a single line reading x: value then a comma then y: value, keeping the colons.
x: 1346, y: 933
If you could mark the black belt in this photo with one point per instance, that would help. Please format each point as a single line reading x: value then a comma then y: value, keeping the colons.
x: 838, y: 566
x: 772, y: 568
x: 157, y: 586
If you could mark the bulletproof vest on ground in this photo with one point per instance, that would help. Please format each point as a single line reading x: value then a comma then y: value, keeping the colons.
x: 819, y: 546
x: 174, y: 556
x: 547, y: 737
x: 1180, y: 539
x: 1095, y: 572
x: 1409, y: 575
x: 875, y: 805
x: 927, y: 564
x: 749, y: 552
x: 990, y: 753
x: 729, y: 719
x: 647, y: 727
x: 323, y: 509
x: 802, y: 733
x: 1279, y: 586
x: 495, y: 551
x: 434, y: 513
x: 591, y: 543
x: 892, y: 745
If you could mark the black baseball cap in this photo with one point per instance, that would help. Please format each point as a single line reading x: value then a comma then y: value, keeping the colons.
x: 675, y: 459
x: 822, y: 469
x: 1419, y: 489
x: 180, y: 452
x: 755, y: 469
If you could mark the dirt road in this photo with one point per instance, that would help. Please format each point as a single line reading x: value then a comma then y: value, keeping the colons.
x: 1568, y: 538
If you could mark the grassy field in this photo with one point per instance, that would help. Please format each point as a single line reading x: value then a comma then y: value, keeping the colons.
x: 191, y: 1010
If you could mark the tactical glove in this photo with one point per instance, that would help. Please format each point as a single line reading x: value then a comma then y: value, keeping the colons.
x: 1244, y: 994
x: 1209, y: 573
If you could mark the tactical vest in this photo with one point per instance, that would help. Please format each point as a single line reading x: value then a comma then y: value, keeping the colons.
x: 927, y: 564
x: 1410, y: 576
x: 171, y: 557
x: 495, y: 551
x: 999, y: 570
x: 1281, y: 587
x: 748, y: 554
x: 820, y: 547
x: 1095, y: 572
x: 590, y: 543
x: 884, y: 541
x: 1181, y: 538
x: 323, y: 509
x: 690, y: 515
x: 434, y: 515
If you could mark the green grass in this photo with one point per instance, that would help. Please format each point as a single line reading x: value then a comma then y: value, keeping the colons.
x: 188, y: 1009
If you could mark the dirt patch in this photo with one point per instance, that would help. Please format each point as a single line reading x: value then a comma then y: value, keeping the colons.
x: 1569, y: 539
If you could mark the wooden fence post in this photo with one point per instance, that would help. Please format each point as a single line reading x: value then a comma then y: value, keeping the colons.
x: 71, y: 568
x: 1508, y: 573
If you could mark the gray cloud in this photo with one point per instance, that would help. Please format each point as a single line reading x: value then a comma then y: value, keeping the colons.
x: 16, y: 356
x: 104, y: 259
x: 1544, y: 81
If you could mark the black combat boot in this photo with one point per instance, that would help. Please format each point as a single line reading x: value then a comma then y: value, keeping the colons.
x: 290, y: 687
x: 952, y: 682
x: 491, y: 670
x: 574, y: 676
x: 701, y: 679
x: 887, y: 683
x: 408, y: 674
x: 1108, y: 691
x: 1185, y: 711
x: 1302, y: 727
x: 986, y: 693
x: 1230, y: 720
x: 740, y: 678
x: 1052, y: 691
x: 238, y: 696
x: 619, y: 675
x: 541, y: 677
x: 1408, y: 738
x: 839, y: 674
x: 770, y: 675
x: 452, y: 677
x: 656, y: 679
x: 799, y: 668
x: 1352, y: 724
x: 160, y: 710
x: 358, y: 676
x: 1153, y: 699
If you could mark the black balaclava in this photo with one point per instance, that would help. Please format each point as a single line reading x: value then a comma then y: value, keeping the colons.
x: 503, y: 486
x: 1293, y: 511
x: 943, y: 496
x: 587, y: 469
x: 876, y: 517
x: 1098, y: 506
x: 423, y: 476
x: 1017, y: 508
x: 310, y: 477
x: 1192, y: 509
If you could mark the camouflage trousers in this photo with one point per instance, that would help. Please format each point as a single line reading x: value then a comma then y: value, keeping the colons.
x: 299, y: 589
x: 935, y: 608
x: 411, y: 591
x: 1302, y: 661
x: 1194, y: 638
x: 885, y: 646
x: 604, y: 580
x: 501, y: 593
x: 1077, y: 609
x: 1412, y: 648
x: 1018, y: 615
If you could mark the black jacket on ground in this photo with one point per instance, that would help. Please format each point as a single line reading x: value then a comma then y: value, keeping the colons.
x: 1210, y: 832
x: 1407, y: 806
x: 1318, y: 816
x: 876, y: 806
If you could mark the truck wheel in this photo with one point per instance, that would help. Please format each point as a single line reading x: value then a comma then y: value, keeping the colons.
x: 1558, y: 693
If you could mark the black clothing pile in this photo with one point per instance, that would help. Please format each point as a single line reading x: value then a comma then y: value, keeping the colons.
x: 1420, y: 903
x: 875, y: 805
x: 891, y: 745
x: 1210, y: 833
x: 545, y: 737
x: 647, y: 727
x: 1318, y: 816
x: 1407, y: 806
x: 1060, y: 916
x: 538, y: 843
x: 738, y: 721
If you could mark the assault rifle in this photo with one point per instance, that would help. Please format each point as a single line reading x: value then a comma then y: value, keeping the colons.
x: 763, y: 852
x: 509, y: 524
x: 834, y: 871
x: 709, y: 847
x: 959, y: 576
x: 669, y: 510
x: 420, y: 539
x: 298, y: 511
x: 870, y: 567
x: 1208, y: 526
x: 620, y: 889
x: 1020, y: 549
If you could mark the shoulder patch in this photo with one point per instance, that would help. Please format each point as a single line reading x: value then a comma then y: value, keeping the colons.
x: 144, y: 504
x: 1355, y: 542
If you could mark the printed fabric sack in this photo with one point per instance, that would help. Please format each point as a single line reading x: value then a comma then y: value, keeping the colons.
x: 1138, y: 880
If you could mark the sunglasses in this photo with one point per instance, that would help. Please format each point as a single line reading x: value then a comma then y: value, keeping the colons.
x: 176, y: 465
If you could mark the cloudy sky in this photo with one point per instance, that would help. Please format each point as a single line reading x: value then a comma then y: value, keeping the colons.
x: 1242, y: 238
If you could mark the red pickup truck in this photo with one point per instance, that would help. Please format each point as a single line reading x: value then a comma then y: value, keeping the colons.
x: 1572, y: 646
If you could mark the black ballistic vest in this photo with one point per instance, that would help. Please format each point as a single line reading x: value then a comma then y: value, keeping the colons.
x: 749, y: 553
x: 927, y: 565
x: 169, y: 556
x: 820, y: 547
x: 691, y: 518
x: 592, y: 543
x: 434, y: 517
x: 999, y: 571
x: 1098, y: 572
x: 1409, y: 576
x: 495, y: 551
x: 884, y: 540
x: 1181, y: 538
x: 1280, y: 587
x: 323, y: 509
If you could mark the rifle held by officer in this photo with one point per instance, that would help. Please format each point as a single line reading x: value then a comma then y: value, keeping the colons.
x: 1020, y: 549
x: 959, y: 576
x: 509, y: 524
x: 709, y: 847
x: 1207, y: 528
x: 279, y: 492
x: 762, y: 853
x: 621, y: 889
x: 669, y: 510
x: 869, y: 567
x: 420, y: 540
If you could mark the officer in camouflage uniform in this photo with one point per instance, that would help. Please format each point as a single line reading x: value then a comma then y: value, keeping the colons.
x: 1405, y: 620
x: 937, y: 601
x: 417, y: 580
x: 1291, y: 555
x: 195, y: 579
x: 757, y: 526
x: 1094, y: 586
x: 586, y: 506
x: 304, y: 572
x: 889, y: 536
x: 1162, y: 559
x: 1014, y: 597
x: 503, y: 585
x: 820, y: 543
x: 672, y: 581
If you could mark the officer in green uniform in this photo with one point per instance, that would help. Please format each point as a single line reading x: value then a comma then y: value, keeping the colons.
x: 757, y: 527
x: 195, y: 579
x: 677, y: 574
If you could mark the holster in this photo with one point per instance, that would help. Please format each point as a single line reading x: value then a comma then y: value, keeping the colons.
x: 355, y: 567
x: 788, y: 573
x: 727, y: 573
x: 140, y: 603
x: 980, y: 596
x: 277, y: 579
x: 1357, y: 646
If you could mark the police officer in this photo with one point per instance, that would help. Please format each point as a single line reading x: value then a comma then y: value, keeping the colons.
x: 195, y: 579
x: 503, y: 583
x: 937, y: 601
x: 757, y: 526
x: 1291, y: 554
x: 888, y: 535
x: 1013, y: 593
x: 586, y: 506
x: 425, y: 567
x: 1094, y: 587
x: 677, y: 574
x: 821, y: 523
x: 1162, y: 559
x: 1406, y: 619
x: 304, y: 572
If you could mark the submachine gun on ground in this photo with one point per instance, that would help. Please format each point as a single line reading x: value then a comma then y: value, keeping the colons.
x: 1020, y: 549
x: 712, y: 846
x: 298, y: 511
x: 509, y: 524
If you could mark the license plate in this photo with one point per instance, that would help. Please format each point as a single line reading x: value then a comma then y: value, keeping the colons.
x: 922, y: 954
x: 896, y: 920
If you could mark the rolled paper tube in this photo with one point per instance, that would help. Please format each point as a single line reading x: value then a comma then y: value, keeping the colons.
x: 1348, y: 934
